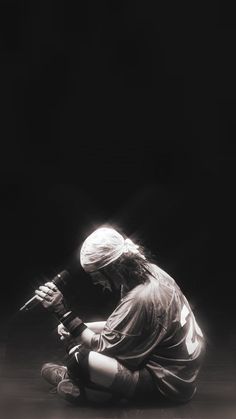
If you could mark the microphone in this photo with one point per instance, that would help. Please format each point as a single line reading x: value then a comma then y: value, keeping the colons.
x: 58, y: 280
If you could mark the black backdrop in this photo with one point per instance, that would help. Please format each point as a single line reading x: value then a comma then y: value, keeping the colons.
x: 119, y: 112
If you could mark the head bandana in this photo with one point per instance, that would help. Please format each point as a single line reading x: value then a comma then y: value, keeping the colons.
x: 104, y: 246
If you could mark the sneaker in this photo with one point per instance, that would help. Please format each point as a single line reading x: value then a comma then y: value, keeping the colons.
x: 69, y: 391
x: 54, y: 373
x: 72, y: 393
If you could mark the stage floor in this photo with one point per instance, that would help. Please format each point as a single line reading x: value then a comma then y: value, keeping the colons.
x: 23, y: 393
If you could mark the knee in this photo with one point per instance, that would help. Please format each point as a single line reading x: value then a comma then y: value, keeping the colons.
x: 102, y: 369
x: 77, y: 366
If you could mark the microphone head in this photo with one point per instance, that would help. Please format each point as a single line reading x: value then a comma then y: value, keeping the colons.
x: 61, y: 278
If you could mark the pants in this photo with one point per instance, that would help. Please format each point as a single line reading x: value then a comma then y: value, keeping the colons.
x: 94, y: 371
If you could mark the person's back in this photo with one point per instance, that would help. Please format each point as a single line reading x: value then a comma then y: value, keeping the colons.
x: 177, y: 356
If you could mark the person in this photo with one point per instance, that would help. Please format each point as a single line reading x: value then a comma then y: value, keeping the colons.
x: 150, y: 347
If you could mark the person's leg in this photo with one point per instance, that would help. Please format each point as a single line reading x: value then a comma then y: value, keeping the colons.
x: 54, y: 373
x: 98, y: 378
x: 111, y: 375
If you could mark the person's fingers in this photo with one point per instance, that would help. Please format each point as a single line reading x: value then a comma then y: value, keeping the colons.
x: 62, y: 330
x: 59, y: 328
x: 65, y: 333
x: 39, y: 298
x: 43, y: 295
x: 46, y: 290
x: 51, y: 285
x: 40, y: 293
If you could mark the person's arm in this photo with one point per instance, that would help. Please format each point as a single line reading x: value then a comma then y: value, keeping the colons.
x: 96, y: 327
x: 132, y: 331
x: 85, y: 337
x: 52, y: 299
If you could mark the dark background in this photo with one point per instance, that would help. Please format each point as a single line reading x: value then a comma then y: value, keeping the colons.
x: 118, y: 112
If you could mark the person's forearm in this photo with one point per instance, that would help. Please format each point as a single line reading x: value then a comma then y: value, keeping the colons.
x: 85, y: 338
x: 81, y: 333
x: 93, y: 328
x: 96, y: 327
x: 52, y: 299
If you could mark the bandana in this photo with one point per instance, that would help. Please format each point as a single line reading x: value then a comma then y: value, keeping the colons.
x: 104, y: 246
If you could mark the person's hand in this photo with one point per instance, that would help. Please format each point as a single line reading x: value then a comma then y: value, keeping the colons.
x: 49, y: 296
x: 63, y: 332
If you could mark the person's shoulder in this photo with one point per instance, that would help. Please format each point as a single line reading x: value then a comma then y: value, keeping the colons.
x: 138, y: 297
x: 166, y: 281
x: 157, y: 290
x: 163, y: 288
x: 161, y: 274
x: 145, y: 294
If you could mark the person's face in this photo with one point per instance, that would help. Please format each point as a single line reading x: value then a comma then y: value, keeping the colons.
x: 99, y: 278
x: 113, y: 277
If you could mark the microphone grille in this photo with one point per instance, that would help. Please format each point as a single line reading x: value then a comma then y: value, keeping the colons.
x: 61, y: 278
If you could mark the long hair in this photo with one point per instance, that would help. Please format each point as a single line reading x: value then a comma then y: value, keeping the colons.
x: 132, y: 268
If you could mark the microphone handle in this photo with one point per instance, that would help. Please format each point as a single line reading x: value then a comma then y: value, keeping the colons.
x: 30, y: 303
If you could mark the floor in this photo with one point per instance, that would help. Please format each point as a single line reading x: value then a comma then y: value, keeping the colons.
x: 25, y: 395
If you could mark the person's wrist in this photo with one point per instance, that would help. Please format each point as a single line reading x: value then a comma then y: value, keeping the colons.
x: 60, y: 310
x: 73, y: 324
